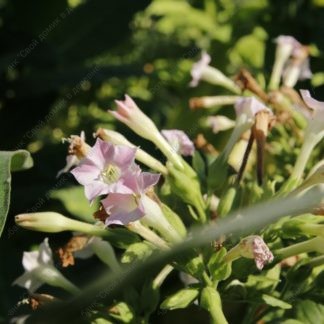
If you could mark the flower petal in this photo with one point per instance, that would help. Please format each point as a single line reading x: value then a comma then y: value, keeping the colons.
x: 179, y: 141
x: 123, y: 156
x: 30, y: 260
x: 123, y: 209
x: 28, y: 281
x: 45, y: 255
x: 311, y: 102
x: 86, y: 172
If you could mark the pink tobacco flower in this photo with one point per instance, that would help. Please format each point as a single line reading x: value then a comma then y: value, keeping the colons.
x: 253, y: 247
x: 249, y: 106
x: 289, y: 42
x: 131, y: 115
x: 126, y: 208
x: 316, y: 107
x: 105, y: 169
x: 294, y: 60
x: 179, y: 141
x: 315, y: 115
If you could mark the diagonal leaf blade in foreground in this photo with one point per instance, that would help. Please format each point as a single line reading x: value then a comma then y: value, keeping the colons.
x: 109, y: 285
x: 10, y: 161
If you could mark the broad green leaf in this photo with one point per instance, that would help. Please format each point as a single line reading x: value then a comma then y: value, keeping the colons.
x: 309, y: 312
x: 10, y: 161
x: 199, y: 165
x: 75, y: 202
x: 275, y: 302
x: 180, y: 299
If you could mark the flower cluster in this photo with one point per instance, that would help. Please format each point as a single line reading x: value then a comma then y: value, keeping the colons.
x: 111, y: 169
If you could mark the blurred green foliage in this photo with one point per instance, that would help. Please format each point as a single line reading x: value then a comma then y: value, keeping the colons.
x: 64, y: 62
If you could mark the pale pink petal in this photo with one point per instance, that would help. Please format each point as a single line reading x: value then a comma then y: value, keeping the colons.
x: 98, y: 153
x: 148, y: 180
x: 129, y: 102
x: 288, y: 40
x: 122, y: 209
x: 249, y: 106
x: 95, y: 189
x: 118, y: 116
x: 311, y: 102
x: 179, y: 141
x: 305, y: 71
x: 86, y: 172
x: 123, y: 156
x: 198, y: 67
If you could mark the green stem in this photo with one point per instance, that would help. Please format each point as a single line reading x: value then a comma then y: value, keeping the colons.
x: 148, y: 235
x: 207, y: 280
x: 242, y: 125
x: 276, y: 74
x: 167, y: 150
x: 303, y: 157
x: 159, y: 279
x: 89, y: 229
x: 316, y: 262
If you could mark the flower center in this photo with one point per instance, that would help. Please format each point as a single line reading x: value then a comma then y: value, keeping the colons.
x: 111, y: 174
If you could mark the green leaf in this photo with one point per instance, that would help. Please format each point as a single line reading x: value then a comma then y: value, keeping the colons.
x: 309, y: 312
x: 137, y: 251
x: 75, y: 202
x: 218, y: 268
x: 10, y: 161
x: 192, y: 264
x: 180, y: 299
x: 150, y: 297
x: 199, y: 165
x: 275, y: 302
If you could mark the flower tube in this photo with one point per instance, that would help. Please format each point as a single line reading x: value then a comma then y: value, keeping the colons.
x: 314, y: 133
x: 285, y: 47
x: 128, y: 113
x: 202, y: 71
x: 39, y: 270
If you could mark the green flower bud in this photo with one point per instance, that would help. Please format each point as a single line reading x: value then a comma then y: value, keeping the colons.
x: 181, y: 299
